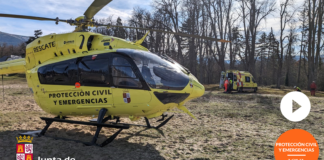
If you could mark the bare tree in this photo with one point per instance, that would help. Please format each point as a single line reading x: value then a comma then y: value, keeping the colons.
x: 303, y: 27
x: 171, y: 8
x: 315, y: 19
x: 252, y: 13
x: 286, y: 15
x: 218, y: 12
x: 290, y: 50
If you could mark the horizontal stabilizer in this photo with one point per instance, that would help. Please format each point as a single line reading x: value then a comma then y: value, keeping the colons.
x: 13, y: 66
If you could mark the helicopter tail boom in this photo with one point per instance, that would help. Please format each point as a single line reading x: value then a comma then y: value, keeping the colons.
x: 13, y: 66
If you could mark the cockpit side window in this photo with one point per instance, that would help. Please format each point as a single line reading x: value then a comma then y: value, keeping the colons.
x: 94, y: 71
x: 158, y: 72
x: 59, y: 73
x: 247, y: 79
x: 123, y: 73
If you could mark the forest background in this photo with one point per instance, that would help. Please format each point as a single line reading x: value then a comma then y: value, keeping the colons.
x: 289, y: 54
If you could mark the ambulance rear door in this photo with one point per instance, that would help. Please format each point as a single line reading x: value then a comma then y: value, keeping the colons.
x: 222, y: 79
x: 235, y: 81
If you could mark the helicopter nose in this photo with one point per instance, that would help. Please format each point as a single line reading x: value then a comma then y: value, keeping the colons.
x: 197, y: 89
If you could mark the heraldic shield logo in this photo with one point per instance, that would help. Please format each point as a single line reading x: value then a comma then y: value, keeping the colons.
x: 127, y: 98
x: 24, y: 151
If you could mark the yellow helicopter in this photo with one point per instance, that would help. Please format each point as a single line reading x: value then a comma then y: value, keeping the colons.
x: 86, y: 74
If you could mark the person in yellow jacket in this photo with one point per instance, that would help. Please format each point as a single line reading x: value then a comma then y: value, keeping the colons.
x: 230, y: 88
x: 297, y: 89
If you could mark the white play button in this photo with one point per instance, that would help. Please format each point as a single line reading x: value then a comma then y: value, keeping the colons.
x: 300, y: 113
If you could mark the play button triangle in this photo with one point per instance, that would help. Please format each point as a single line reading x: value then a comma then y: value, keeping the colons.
x: 295, y: 105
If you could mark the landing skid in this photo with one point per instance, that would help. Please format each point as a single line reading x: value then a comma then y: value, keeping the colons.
x: 49, y: 121
x: 148, y: 125
x: 99, y: 124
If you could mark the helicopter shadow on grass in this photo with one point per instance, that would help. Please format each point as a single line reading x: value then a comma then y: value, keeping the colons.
x: 47, y: 147
x: 255, y: 106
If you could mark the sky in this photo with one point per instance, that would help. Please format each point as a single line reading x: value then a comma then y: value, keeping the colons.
x: 64, y: 9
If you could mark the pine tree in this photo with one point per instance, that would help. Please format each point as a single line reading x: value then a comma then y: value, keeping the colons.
x: 37, y: 33
x: 261, y: 49
x: 119, y: 31
x: 271, y: 57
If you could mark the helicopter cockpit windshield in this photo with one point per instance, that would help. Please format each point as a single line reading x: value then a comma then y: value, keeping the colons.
x: 158, y: 72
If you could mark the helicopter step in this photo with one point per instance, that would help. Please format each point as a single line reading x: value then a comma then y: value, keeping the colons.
x: 100, y: 123
x: 148, y: 125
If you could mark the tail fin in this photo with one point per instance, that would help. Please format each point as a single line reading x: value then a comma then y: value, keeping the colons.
x: 139, y: 42
x: 13, y: 66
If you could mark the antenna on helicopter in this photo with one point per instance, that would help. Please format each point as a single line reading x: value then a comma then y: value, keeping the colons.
x: 2, y: 89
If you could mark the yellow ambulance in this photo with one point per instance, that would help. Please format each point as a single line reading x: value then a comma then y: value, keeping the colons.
x: 242, y: 80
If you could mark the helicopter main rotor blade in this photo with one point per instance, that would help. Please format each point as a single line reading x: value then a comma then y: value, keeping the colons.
x: 94, y: 8
x: 180, y: 34
x: 30, y: 17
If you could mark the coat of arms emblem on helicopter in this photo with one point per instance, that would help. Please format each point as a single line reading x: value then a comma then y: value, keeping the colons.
x: 126, y: 97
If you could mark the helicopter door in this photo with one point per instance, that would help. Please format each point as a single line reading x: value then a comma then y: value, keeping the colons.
x: 57, y: 84
x: 95, y: 81
x: 130, y: 92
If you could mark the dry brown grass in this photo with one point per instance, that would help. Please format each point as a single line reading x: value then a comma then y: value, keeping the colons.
x: 268, y: 90
x: 229, y: 126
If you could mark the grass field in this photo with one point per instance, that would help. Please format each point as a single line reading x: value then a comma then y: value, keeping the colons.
x: 229, y: 126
